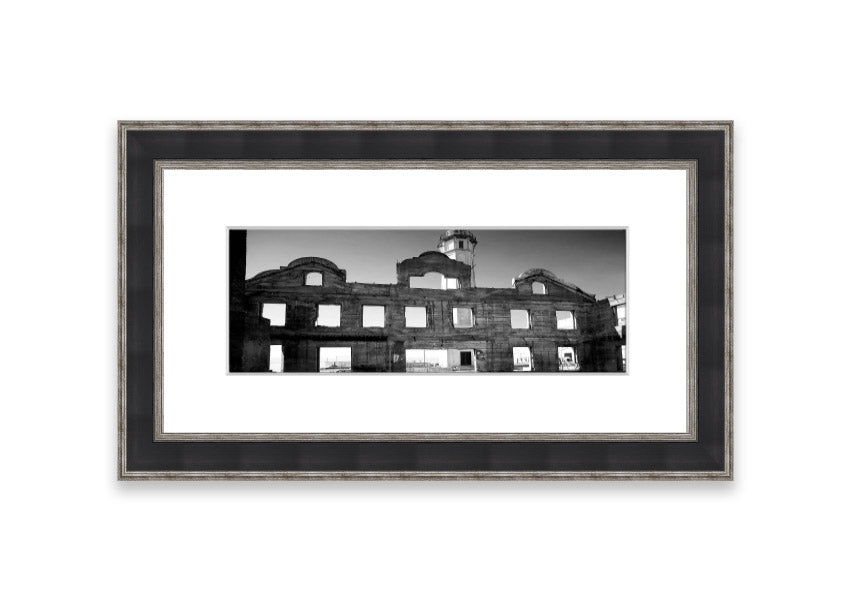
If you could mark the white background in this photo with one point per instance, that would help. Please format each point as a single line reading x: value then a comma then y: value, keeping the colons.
x: 200, y: 396
x: 780, y: 531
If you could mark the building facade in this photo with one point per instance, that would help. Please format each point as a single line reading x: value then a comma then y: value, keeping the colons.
x: 306, y: 317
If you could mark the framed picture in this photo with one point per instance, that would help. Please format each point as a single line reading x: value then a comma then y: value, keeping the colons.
x: 425, y: 300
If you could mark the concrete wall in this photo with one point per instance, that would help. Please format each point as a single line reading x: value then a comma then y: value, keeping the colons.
x: 236, y: 292
x: 383, y: 349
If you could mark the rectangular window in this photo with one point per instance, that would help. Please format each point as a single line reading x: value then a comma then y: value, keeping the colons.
x: 565, y: 320
x: 451, y: 284
x: 276, y: 358
x: 427, y: 360
x: 461, y: 244
x: 440, y: 360
x: 521, y: 359
x: 463, y: 317
x: 432, y: 280
x: 276, y: 313
x: 416, y: 317
x: 462, y: 360
x: 519, y: 318
x: 373, y: 316
x: 620, y: 315
x: 568, y: 361
x: 328, y: 315
x: 335, y: 359
x: 314, y: 279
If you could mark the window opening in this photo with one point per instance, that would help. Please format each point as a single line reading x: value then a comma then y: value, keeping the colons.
x: 440, y: 360
x: 373, y: 316
x: 568, y: 360
x: 276, y: 313
x: 463, y: 317
x: 565, y: 320
x: 335, y: 359
x: 416, y: 317
x: 276, y: 358
x: 328, y: 315
x: 427, y: 360
x: 432, y: 280
x: 519, y: 318
x: 521, y: 359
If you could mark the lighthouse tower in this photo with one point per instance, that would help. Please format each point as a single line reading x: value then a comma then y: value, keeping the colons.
x: 459, y: 245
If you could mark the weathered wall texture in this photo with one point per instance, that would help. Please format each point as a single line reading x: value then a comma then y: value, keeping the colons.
x: 492, y: 338
x: 236, y: 291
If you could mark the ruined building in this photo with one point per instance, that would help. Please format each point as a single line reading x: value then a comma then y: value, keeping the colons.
x: 306, y: 317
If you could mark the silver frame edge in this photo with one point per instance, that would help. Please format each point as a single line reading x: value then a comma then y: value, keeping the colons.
x: 726, y: 474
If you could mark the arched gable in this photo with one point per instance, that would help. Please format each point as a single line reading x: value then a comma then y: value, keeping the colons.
x: 523, y: 283
x: 433, y: 261
x: 296, y: 272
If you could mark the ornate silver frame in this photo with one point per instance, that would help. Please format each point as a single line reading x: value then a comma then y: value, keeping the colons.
x: 690, y: 166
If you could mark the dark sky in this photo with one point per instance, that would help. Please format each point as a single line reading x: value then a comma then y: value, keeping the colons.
x: 594, y: 260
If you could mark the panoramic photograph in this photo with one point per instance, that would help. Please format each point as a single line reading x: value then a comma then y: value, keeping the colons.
x: 421, y: 301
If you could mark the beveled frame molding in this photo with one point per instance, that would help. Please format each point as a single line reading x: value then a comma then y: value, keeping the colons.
x: 726, y: 127
x: 690, y: 394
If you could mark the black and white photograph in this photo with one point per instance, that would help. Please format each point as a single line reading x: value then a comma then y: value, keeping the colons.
x: 427, y: 300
